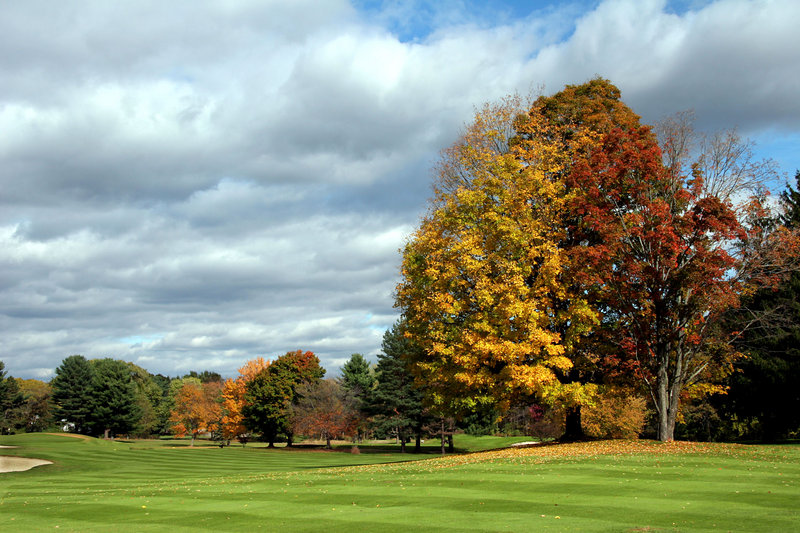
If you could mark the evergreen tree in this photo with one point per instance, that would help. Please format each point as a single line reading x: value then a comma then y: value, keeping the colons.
x: 72, y: 393
x: 357, y: 377
x: 5, y: 389
x: 115, y: 398
x: 395, y: 401
x: 358, y: 380
x: 790, y: 198
x: 164, y: 405
x: 764, y: 396
x: 149, y: 396
x: 206, y: 376
x: 10, y: 400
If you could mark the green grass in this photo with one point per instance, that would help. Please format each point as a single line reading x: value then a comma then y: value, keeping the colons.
x: 605, y: 486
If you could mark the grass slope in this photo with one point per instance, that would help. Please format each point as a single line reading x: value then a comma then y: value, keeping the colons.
x: 602, y: 486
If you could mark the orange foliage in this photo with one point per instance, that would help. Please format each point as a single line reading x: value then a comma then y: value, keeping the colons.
x: 233, y: 392
x: 197, y: 409
x: 616, y: 414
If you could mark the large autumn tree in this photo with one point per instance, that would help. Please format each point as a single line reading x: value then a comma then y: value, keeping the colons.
x: 666, y: 240
x: 482, y: 291
x: 655, y: 252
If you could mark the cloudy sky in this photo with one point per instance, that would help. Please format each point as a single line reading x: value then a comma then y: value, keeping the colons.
x: 191, y: 184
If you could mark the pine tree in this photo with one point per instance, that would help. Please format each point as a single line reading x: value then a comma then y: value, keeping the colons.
x: 11, y: 400
x: 72, y: 393
x: 395, y: 401
x: 764, y: 395
x: 357, y: 377
x: 115, y: 398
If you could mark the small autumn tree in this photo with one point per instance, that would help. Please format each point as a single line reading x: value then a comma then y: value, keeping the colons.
x: 197, y: 408
x: 35, y: 411
x: 325, y: 409
x: 233, y: 400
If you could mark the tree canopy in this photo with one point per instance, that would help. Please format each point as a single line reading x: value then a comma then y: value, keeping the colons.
x: 271, y: 392
x: 324, y: 408
x: 575, y: 242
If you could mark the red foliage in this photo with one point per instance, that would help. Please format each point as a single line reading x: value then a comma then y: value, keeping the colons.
x: 654, y: 254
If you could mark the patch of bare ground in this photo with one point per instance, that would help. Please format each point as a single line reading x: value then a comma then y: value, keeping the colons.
x: 73, y: 435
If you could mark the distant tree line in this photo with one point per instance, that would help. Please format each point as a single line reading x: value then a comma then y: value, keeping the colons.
x: 92, y: 397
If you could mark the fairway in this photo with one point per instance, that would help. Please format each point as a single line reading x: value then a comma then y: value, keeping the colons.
x: 96, y: 485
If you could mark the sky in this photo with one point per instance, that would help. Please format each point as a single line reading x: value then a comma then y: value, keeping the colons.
x: 189, y: 185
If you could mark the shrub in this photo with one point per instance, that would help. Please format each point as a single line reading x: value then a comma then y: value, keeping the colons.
x: 616, y: 414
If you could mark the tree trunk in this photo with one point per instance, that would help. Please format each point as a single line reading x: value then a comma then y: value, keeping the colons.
x: 402, y: 439
x: 442, y: 435
x: 450, y: 445
x: 664, y: 408
x: 573, y: 429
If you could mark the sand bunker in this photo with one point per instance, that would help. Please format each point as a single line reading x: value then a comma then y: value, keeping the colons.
x: 18, y: 464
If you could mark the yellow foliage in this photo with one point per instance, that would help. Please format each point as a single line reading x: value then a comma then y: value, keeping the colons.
x: 616, y: 414
x: 482, y: 292
x: 233, y: 392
